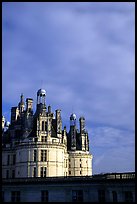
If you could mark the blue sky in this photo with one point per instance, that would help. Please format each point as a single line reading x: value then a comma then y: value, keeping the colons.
x: 83, y: 55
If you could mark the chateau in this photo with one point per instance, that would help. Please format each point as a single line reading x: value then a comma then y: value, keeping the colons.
x: 36, y: 145
x: 42, y: 162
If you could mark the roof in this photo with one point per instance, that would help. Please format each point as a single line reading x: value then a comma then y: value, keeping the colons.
x: 110, y: 177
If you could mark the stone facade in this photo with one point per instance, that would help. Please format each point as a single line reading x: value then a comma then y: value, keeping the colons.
x: 114, y: 187
x: 36, y: 145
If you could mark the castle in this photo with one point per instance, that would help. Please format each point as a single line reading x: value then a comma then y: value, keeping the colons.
x: 36, y: 145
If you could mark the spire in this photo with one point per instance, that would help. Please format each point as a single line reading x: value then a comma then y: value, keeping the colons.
x: 21, y: 98
x: 21, y: 104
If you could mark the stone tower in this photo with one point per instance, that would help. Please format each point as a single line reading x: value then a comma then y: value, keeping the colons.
x: 36, y: 145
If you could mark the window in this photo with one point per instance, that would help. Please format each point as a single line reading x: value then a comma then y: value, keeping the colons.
x: 80, y: 165
x: 43, y: 155
x: 42, y: 125
x: 45, y: 126
x: 43, y: 138
x: 69, y: 172
x: 15, y: 196
x: 128, y: 196
x: 101, y: 195
x: 77, y: 196
x: 44, y: 196
x: 7, y: 174
x: 35, y: 155
x: 80, y: 172
x: 43, y: 171
x: 2, y: 196
x: 14, y: 159
x: 29, y: 109
x: 34, y: 172
x: 114, y: 194
x: 13, y: 173
x: 8, y: 160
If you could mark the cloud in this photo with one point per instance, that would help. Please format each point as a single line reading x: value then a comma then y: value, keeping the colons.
x: 111, y: 149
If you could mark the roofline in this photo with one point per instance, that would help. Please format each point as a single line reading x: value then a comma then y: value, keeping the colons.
x: 109, y: 177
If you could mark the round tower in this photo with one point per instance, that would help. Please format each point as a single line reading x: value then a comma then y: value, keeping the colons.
x: 41, y: 104
x: 73, y: 120
x: 41, y: 95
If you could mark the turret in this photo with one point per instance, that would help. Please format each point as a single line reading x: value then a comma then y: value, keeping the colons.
x: 73, y: 131
x: 3, y: 122
x: 82, y: 133
x: 28, y: 119
x: 41, y: 104
x: 82, y: 125
x: 64, y: 136
x: 29, y: 104
x: 59, y: 124
x: 49, y: 109
x: 14, y: 114
x: 21, y: 104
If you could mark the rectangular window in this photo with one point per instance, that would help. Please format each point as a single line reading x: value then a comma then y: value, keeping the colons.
x: 77, y: 195
x: 13, y: 173
x: 43, y: 139
x: 101, y: 195
x: 15, y: 196
x: 80, y: 165
x: 69, y: 172
x: 44, y: 196
x: 45, y: 126
x: 114, y: 195
x: 42, y: 125
x: 43, y: 155
x: 35, y: 155
x: 7, y: 174
x: 14, y: 159
x: 34, y: 172
x: 2, y: 196
x: 8, y: 160
x: 43, y: 172
x: 128, y: 196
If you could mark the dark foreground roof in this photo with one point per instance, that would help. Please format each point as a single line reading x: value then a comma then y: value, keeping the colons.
x: 108, y: 177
